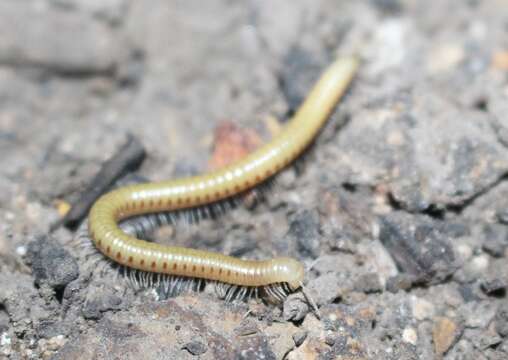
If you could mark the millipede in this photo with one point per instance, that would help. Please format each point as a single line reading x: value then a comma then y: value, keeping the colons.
x: 235, y: 277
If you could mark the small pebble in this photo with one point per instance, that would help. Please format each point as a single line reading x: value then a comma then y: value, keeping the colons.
x: 195, y: 348
x: 21, y: 250
x: 464, y: 251
x: 445, y: 57
x: 247, y: 327
x: 409, y: 335
x: 299, y: 337
x: 5, y: 339
x: 295, y: 308
x: 445, y: 333
x: 55, y: 343
x: 422, y: 309
x: 330, y: 339
x: 494, y: 248
x: 304, y: 231
x: 480, y: 263
x: 368, y: 283
x: 399, y: 282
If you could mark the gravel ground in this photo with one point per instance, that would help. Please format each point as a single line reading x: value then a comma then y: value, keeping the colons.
x: 402, y: 208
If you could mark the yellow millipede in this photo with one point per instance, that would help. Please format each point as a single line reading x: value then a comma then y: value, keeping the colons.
x: 277, y: 276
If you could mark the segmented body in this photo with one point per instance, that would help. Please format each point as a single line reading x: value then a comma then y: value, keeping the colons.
x: 255, y: 168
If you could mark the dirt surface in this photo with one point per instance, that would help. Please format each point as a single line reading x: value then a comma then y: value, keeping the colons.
x: 401, y: 207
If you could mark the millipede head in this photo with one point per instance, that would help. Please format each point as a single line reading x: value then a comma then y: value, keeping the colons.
x: 288, y: 270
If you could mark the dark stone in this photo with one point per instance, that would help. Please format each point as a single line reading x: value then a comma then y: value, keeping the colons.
x: 294, y: 80
x: 127, y: 158
x: 304, y: 231
x: 51, y: 263
x: 495, y: 287
x: 339, y: 347
x: 195, y: 347
x: 468, y: 293
x: 418, y: 247
x: 72, y: 289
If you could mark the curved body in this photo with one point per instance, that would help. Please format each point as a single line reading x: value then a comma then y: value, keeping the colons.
x: 119, y: 204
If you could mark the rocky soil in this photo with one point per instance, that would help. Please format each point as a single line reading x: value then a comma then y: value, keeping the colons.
x: 400, y: 210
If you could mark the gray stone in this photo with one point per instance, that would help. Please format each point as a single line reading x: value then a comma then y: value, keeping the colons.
x: 170, y: 328
x: 295, y: 308
x: 299, y: 337
x: 327, y: 288
x: 99, y: 302
x: 51, y: 263
x: 51, y: 328
x: 20, y: 300
x: 484, y: 339
x: 496, y: 239
x: 402, y: 146
x: 418, y: 246
x: 400, y: 282
x: 304, y: 231
x: 195, y: 348
x: 50, y: 42
x: 368, y: 283
x: 501, y: 319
